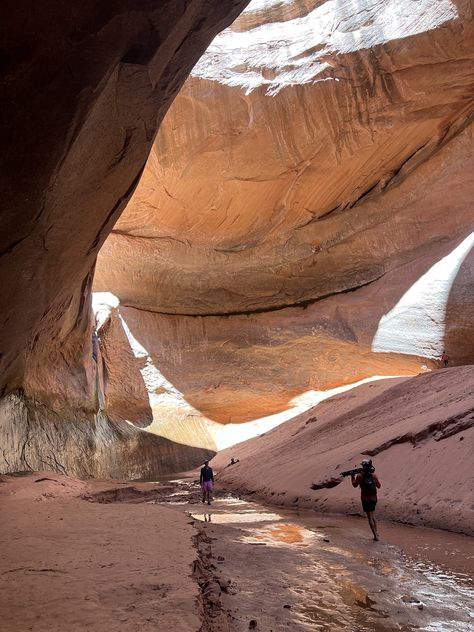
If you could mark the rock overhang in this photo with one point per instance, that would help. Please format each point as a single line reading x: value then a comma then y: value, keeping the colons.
x: 263, y: 195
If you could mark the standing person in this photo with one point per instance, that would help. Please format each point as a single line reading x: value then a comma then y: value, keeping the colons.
x: 368, y: 483
x: 444, y: 358
x: 206, y: 481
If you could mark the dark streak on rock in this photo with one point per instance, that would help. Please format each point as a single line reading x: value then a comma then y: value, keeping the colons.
x: 261, y: 310
x: 437, y: 431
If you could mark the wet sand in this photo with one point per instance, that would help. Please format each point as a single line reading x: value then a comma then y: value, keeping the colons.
x: 68, y: 564
x: 331, y: 576
x: 110, y: 555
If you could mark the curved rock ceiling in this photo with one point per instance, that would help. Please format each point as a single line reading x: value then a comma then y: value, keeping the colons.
x: 304, y: 218
x: 309, y: 153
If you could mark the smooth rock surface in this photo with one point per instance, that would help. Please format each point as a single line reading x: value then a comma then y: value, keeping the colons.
x: 84, y: 90
x: 241, y: 368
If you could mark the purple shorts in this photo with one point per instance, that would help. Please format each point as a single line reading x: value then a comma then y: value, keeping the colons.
x: 207, y: 486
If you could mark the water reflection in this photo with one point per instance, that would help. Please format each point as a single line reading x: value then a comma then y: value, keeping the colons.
x: 341, y: 581
x: 236, y: 518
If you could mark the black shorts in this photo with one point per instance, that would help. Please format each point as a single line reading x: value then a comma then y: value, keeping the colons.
x: 369, y: 505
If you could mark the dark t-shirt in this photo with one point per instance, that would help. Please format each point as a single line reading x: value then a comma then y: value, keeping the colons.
x: 206, y: 474
x: 364, y: 494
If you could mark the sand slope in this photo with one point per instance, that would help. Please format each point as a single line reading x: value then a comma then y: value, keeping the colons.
x: 419, y: 432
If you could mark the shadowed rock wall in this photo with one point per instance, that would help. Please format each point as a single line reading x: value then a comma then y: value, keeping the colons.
x: 84, y: 88
x: 85, y: 445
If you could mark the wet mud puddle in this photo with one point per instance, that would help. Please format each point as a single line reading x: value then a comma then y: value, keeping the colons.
x: 327, y: 574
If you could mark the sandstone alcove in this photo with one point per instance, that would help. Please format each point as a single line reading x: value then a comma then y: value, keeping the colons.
x: 294, y: 195
x: 84, y: 90
x: 313, y: 168
x: 239, y: 231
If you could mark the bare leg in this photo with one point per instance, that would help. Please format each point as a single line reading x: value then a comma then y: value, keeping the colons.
x: 375, y: 525
x: 372, y: 524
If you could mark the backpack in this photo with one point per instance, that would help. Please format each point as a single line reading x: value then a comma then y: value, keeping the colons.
x: 368, y: 485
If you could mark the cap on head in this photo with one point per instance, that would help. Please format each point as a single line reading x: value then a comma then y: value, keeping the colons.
x: 366, y: 463
x: 206, y: 462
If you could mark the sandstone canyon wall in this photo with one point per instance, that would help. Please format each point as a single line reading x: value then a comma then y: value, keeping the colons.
x: 303, y: 220
x: 84, y: 88
x: 305, y: 216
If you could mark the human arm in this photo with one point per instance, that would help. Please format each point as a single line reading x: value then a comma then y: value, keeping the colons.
x: 212, y: 475
x: 355, y: 480
x: 377, y: 482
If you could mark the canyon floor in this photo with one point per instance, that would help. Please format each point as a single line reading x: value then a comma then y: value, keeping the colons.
x: 124, y: 556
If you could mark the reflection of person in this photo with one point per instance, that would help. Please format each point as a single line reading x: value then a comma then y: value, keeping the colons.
x: 206, y: 481
x: 368, y: 483
x: 444, y: 358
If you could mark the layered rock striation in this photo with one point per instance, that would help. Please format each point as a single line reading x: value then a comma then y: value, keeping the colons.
x: 308, y: 154
x: 304, y: 219
x: 86, y: 445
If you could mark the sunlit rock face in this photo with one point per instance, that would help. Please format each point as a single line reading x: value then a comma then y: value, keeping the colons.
x: 312, y: 171
x: 277, y: 177
x: 84, y: 89
x: 303, y: 220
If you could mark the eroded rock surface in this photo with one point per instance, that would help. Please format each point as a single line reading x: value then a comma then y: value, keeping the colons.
x: 242, y: 368
x: 85, y: 444
x: 304, y: 219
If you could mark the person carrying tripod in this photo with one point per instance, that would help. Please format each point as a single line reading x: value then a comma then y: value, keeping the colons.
x: 368, y: 483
